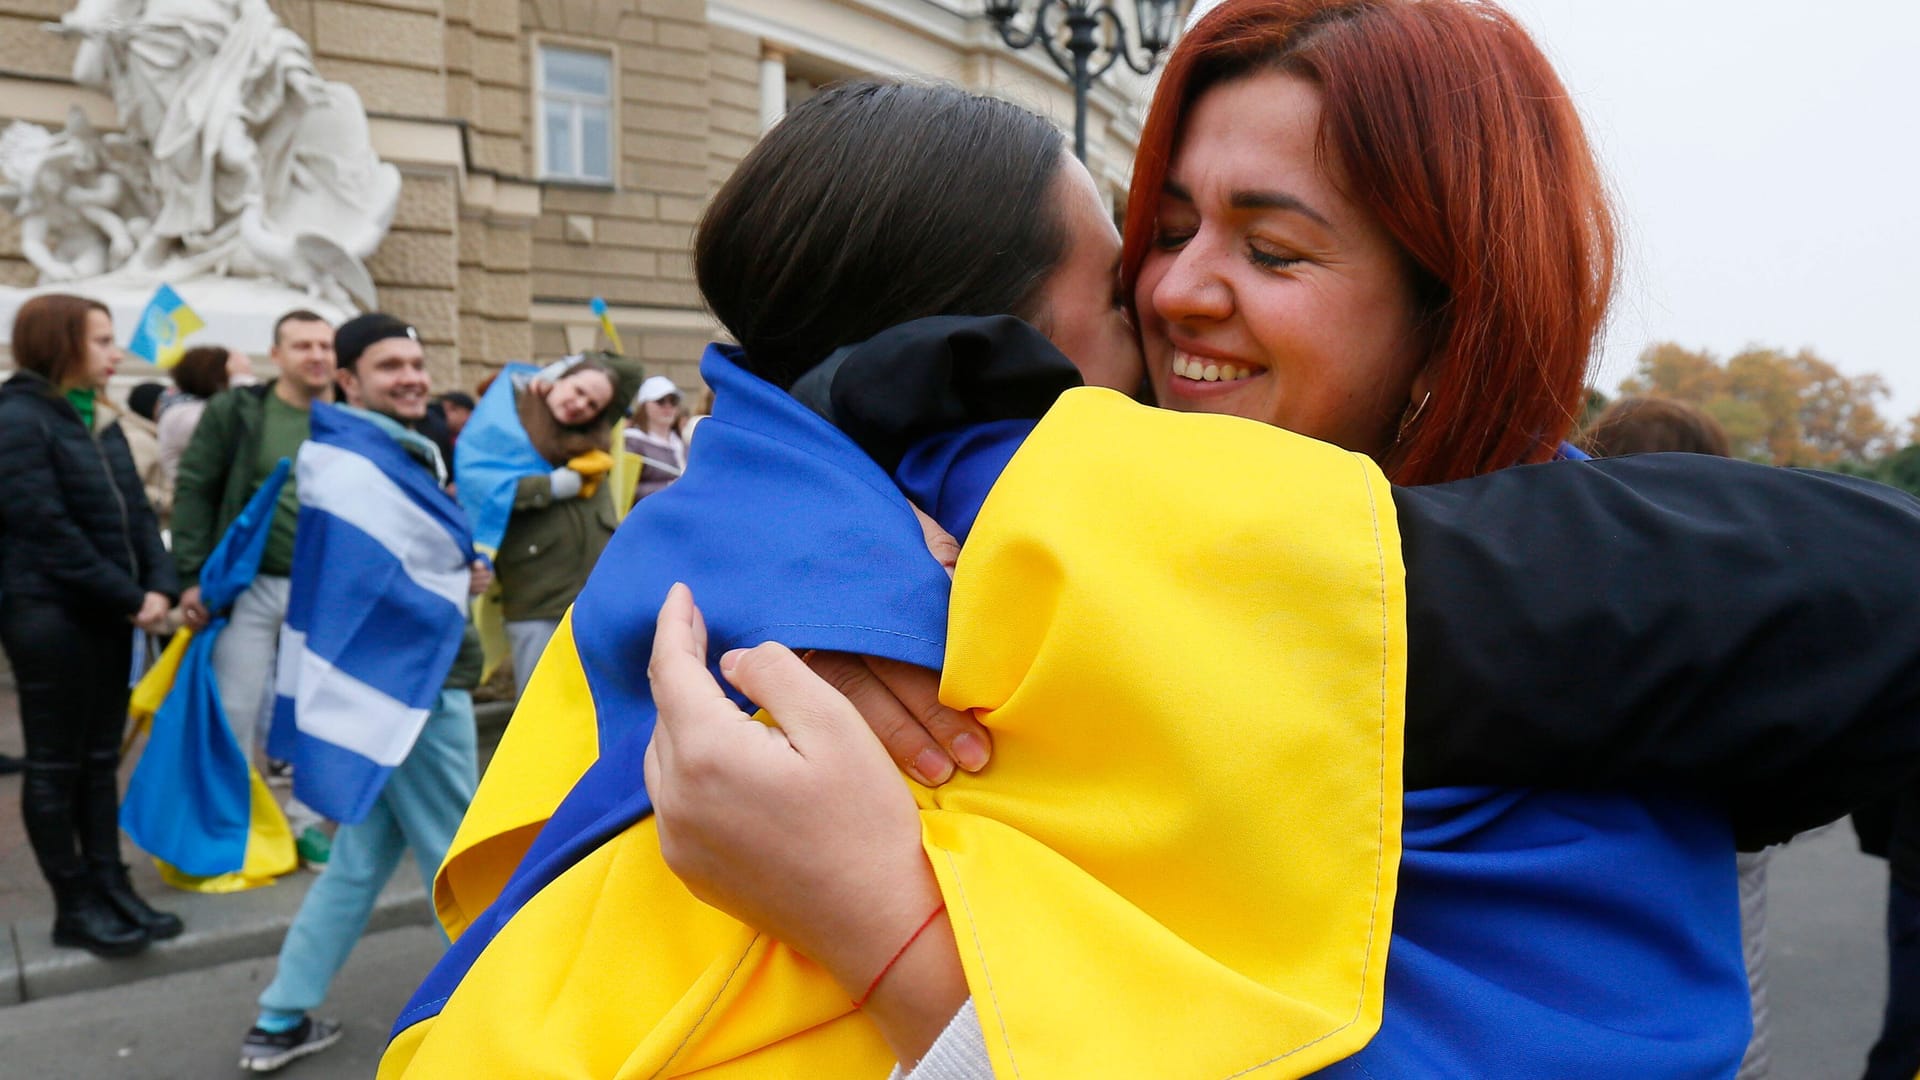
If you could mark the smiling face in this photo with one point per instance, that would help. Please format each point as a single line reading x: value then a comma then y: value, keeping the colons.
x: 99, y: 354
x: 1081, y: 312
x: 1267, y: 293
x: 390, y: 378
x: 580, y: 396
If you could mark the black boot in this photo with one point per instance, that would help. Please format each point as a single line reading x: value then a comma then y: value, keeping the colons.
x: 84, y: 919
x: 118, y: 889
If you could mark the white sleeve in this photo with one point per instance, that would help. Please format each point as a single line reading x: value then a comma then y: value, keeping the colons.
x: 960, y: 1053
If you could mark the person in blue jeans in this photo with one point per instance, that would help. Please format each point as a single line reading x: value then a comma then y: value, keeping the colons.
x: 382, y: 370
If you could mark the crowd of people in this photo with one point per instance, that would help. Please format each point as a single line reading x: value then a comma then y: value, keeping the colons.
x: 1328, y: 671
x: 113, y: 512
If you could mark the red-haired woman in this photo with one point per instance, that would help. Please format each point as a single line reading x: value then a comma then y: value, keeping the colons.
x: 81, y: 565
x: 1379, y: 223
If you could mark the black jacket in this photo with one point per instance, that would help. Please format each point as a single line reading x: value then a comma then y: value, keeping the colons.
x: 75, y: 526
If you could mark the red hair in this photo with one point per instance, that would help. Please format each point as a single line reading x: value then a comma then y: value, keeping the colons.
x: 1455, y: 132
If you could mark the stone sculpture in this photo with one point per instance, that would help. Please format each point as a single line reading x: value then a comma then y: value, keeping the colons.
x: 236, y: 158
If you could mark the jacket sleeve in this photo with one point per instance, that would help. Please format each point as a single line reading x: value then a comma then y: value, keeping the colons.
x: 1666, y: 621
x: 533, y: 492
x: 200, y: 486
x: 36, y: 516
x: 157, y: 572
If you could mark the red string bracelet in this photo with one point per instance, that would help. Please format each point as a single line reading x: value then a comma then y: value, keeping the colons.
x: 861, y: 1001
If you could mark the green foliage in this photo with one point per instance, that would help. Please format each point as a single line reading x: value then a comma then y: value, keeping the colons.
x: 1778, y: 407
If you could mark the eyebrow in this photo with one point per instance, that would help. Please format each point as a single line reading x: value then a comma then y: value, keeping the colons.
x: 1256, y: 200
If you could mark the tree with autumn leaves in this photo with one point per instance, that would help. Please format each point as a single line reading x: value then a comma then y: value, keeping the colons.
x: 1778, y: 407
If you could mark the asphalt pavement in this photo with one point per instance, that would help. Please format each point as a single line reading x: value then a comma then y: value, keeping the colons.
x: 179, y: 1010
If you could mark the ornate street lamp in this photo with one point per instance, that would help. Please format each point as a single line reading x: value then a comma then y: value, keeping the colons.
x: 1088, y: 32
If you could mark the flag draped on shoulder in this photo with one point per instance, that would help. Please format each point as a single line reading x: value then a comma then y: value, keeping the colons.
x: 493, y: 455
x: 195, y: 802
x: 377, y: 607
x: 1211, y: 936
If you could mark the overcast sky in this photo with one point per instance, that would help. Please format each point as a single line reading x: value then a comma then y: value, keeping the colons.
x: 1766, y: 155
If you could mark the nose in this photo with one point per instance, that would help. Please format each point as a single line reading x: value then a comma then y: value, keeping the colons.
x: 1192, y: 288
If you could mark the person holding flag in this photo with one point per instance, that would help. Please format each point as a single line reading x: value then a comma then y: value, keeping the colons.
x: 532, y: 462
x: 376, y: 662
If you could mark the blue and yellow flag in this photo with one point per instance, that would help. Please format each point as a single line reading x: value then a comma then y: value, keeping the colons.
x: 195, y: 802
x: 1168, y: 904
x: 493, y: 455
x: 161, y: 337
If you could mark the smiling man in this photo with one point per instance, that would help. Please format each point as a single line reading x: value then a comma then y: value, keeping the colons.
x: 383, y: 376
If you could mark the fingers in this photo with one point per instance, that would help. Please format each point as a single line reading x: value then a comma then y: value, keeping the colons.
x: 683, y: 690
x: 940, y: 543
x: 812, y: 714
x: 910, y: 745
x: 917, y: 689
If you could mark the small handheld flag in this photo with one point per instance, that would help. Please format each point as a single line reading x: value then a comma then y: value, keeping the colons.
x: 606, y: 325
x: 161, y: 337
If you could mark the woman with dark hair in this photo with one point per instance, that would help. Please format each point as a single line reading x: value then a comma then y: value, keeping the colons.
x: 81, y: 565
x: 1269, y: 289
x: 1378, y: 223
x: 203, y: 371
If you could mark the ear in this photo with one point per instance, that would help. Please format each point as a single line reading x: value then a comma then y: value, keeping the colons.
x: 349, y: 385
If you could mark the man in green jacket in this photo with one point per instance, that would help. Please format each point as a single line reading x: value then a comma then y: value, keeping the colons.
x: 241, y: 436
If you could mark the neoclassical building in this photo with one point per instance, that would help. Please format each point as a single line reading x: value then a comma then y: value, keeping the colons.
x: 556, y: 150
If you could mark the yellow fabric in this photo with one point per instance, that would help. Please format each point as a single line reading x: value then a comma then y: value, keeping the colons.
x: 1181, y: 862
x: 548, y: 746
x: 592, y: 467
x: 151, y: 690
x: 626, y: 471
x: 270, y: 850
x: 489, y: 615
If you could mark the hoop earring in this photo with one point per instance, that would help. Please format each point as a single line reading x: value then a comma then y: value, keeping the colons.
x: 1407, y: 420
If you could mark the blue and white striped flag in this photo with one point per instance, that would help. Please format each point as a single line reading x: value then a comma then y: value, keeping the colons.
x: 378, y: 605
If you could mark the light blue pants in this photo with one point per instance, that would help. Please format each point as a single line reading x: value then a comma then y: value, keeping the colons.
x: 418, y: 809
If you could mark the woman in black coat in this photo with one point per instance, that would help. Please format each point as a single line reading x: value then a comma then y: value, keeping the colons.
x: 81, y: 565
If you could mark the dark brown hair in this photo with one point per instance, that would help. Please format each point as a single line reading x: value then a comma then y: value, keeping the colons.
x: 875, y: 203
x: 1457, y: 134
x: 1652, y: 425
x: 50, y: 334
x: 202, y: 370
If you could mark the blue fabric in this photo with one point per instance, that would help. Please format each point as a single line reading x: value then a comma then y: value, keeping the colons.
x: 418, y: 810
x: 360, y: 611
x: 949, y: 475
x: 1558, y: 934
x: 491, y: 457
x: 190, y: 799
x: 1536, y: 934
x: 785, y: 531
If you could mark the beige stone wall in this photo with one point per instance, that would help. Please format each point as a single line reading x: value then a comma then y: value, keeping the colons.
x: 629, y: 244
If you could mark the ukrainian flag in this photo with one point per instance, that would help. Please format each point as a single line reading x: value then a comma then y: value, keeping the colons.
x: 493, y: 455
x: 1169, y: 904
x: 195, y: 802
x: 161, y: 337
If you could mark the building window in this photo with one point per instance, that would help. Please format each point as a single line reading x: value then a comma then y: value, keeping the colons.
x: 576, y: 115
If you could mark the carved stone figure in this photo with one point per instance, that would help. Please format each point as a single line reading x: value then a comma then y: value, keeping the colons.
x: 237, y: 159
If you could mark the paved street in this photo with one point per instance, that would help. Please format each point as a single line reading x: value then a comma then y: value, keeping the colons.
x: 1825, y: 925
x: 189, y: 1026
